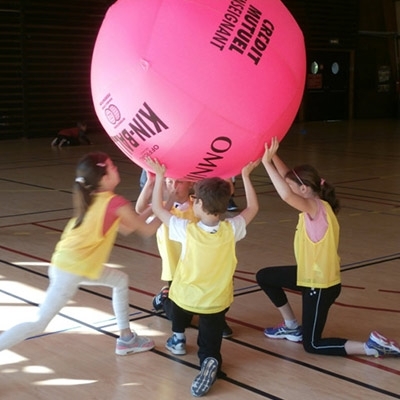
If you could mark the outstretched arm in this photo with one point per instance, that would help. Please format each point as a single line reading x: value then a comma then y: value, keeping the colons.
x: 282, y: 168
x: 143, y: 201
x: 131, y: 221
x: 157, y: 200
x: 278, y: 180
x: 282, y: 187
x: 251, y: 197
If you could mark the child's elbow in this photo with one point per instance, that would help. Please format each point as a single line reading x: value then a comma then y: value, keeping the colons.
x: 254, y: 208
x: 125, y: 230
x: 286, y: 195
x: 249, y: 213
x: 254, y: 212
x: 145, y: 233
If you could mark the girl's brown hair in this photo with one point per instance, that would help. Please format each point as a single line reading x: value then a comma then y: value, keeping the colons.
x: 308, y: 175
x: 89, y: 171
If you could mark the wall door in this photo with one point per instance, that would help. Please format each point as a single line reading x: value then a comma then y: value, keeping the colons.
x: 327, y: 89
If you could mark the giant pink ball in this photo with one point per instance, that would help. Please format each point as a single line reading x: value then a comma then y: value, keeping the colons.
x: 200, y: 85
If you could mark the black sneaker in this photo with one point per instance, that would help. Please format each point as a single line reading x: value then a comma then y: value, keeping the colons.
x: 158, y: 300
x: 205, y: 379
x: 227, y: 332
x: 232, y: 205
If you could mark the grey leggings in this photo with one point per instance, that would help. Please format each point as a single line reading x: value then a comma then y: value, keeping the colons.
x: 62, y: 288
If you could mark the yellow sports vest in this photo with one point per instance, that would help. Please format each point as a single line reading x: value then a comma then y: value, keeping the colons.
x: 318, y: 263
x: 170, y: 250
x: 84, y: 250
x: 203, y: 281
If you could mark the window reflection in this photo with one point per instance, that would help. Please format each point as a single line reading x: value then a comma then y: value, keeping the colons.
x: 314, y: 67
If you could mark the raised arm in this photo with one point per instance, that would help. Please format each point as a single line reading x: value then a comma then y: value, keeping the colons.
x: 157, y: 198
x: 251, y: 197
x: 143, y: 201
x: 282, y: 168
x: 131, y: 221
x: 282, y: 187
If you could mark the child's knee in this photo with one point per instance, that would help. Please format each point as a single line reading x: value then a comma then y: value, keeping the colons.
x: 309, y: 347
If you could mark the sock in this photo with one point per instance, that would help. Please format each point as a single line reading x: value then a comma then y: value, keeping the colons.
x: 179, y: 335
x: 370, y: 351
x: 127, y: 338
x: 291, y: 324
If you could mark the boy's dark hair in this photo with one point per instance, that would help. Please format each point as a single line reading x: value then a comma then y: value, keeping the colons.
x: 308, y: 175
x: 89, y: 171
x: 214, y: 194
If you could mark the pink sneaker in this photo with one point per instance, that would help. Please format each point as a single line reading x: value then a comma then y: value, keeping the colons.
x: 137, y: 344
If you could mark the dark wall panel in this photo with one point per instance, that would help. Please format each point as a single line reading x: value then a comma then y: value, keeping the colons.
x: 45, y: 70
x: 11, y: 85
x: 46, y: 48
x: 324, y: 21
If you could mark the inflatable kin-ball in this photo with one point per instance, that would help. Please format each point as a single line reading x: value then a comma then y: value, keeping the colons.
x: 200, y: 85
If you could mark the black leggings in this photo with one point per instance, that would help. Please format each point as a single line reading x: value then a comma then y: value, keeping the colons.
x: 209, y: 337
x: 316, y: 304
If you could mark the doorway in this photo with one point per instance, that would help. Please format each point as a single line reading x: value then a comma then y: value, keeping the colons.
x: 328, y: 83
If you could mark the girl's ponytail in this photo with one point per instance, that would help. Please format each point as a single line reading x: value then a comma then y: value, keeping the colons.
x: 308, y: 176
x: 89, y: 171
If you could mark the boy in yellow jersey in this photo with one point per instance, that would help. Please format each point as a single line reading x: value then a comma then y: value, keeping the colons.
x: 179, y: 203
x: 203, y: 280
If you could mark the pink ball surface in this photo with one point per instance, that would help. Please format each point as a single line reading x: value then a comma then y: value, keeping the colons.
x: 200, y: 85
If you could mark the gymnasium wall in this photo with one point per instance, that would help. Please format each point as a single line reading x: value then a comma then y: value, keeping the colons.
x: 46, y: 49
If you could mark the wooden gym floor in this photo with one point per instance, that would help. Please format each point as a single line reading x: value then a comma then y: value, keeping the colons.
x: 75, y: 357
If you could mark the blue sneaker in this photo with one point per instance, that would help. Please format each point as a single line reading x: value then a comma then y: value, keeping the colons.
x: 283, y: 332
x: 159, y: 299
x: 205, y: 379
x: 383, y: 345
x: 176, y: 346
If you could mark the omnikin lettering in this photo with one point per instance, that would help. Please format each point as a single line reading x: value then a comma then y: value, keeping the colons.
x: 219, y: 146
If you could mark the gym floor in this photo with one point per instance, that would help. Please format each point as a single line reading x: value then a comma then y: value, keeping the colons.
x: 75, y: 356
